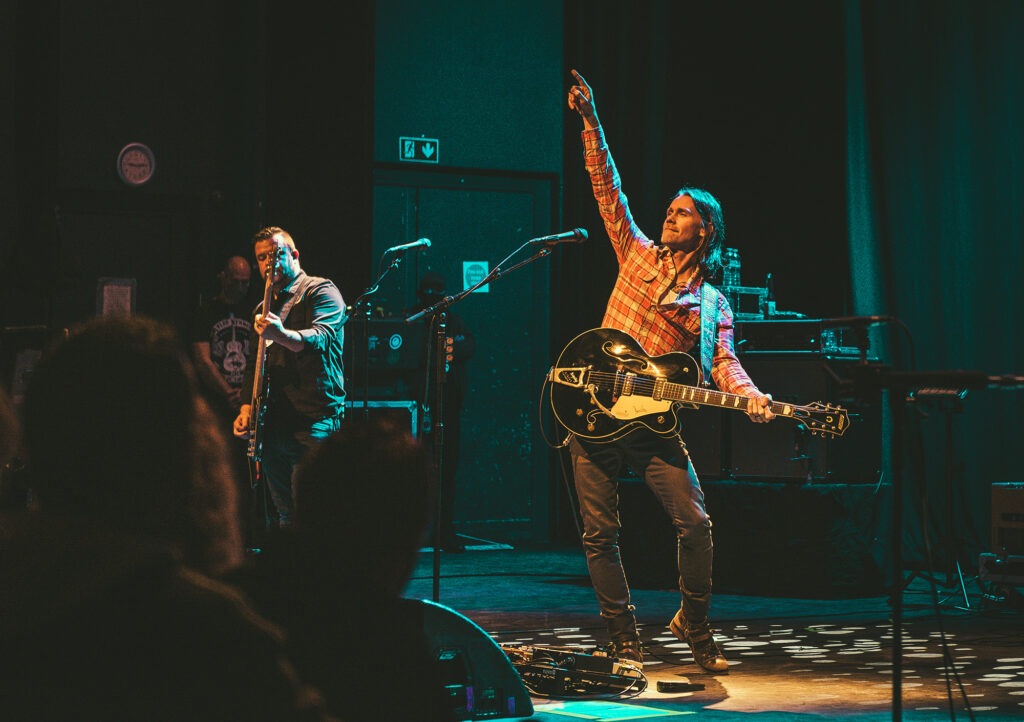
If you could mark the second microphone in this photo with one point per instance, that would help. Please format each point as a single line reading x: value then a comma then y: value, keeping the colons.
x: 421, y: 243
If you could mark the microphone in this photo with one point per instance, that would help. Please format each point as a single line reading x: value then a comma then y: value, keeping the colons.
x: 423, y: 242
x: 576, y: 235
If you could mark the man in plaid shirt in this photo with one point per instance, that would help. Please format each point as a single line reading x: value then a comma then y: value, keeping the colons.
x: 657, y: 300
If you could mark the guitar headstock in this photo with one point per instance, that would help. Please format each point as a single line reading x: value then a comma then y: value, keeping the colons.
x: 825, y: 419
x: 274, y: 270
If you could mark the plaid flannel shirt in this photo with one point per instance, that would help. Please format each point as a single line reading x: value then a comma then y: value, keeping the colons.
x: 649, y: 301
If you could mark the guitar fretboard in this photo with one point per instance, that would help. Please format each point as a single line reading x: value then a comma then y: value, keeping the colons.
x: 631, y: 384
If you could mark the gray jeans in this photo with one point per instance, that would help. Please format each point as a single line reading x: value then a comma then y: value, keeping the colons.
x: 664, y: 465
x: 283, y: 451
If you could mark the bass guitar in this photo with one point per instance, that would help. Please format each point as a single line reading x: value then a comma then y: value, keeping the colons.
x: 260, y: 387
x: 604, y: 386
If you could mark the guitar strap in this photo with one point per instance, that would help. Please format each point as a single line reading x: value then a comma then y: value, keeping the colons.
x: 304, y: 284
x: 708, y: 328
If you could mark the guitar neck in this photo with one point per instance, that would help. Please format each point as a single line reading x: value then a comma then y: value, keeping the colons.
x: 261, y: 348
x: 257, y: 382
x: 710, y: 397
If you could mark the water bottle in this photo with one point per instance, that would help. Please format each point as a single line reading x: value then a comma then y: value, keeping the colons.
x: 731, y: 267
x: 769, y: 298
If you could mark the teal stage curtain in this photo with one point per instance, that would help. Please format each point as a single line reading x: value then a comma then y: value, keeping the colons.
x: 935, y: 163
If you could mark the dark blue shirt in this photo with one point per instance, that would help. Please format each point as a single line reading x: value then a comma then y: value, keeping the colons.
x: 308, y: 384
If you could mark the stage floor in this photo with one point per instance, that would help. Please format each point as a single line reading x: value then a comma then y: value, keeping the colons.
x: 791, y: 659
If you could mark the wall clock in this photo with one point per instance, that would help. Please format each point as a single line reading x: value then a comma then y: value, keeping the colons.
x: 135, y: 164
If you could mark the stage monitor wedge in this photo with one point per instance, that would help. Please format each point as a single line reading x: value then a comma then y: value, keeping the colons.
x: 479, y: 676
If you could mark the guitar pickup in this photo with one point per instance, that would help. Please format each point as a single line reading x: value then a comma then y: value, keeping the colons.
x: 574, y: 376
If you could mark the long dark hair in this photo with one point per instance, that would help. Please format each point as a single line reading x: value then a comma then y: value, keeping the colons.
x: 711, y: 213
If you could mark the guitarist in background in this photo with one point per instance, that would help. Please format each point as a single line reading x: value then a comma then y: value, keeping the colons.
x: 304, y: 375
x: 220, y: 333
x: 657, y: 299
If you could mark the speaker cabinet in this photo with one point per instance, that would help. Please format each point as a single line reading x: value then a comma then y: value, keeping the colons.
x: 827, y: 532
x: 703, y: 431
x: 404, y: 413
x: 479, y: 677
x: 1008, y: 517
x: 784, y: 450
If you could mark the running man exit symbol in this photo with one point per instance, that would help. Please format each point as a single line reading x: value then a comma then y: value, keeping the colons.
x: 418, y: 150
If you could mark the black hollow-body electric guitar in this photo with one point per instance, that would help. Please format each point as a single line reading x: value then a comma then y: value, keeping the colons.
x: 604, y: 386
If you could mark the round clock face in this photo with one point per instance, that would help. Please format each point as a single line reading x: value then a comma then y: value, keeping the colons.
x: 135, y: 164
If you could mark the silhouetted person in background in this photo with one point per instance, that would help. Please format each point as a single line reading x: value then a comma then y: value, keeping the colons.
x: 304, y: 368
x: 220, y: 333
x: 109, y: 606
x: 431, y: 289
x: 220, y: 336
x: 334, y: 579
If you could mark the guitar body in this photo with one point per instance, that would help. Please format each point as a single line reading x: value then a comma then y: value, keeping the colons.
x: 257, y: 416
x: 596, y: 376
x: 605, y: 386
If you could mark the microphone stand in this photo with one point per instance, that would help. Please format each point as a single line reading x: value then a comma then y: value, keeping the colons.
x: 900, y: 385
x: 362, y: 306
x: 439, y: 312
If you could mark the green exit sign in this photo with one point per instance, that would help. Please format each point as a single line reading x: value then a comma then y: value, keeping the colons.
x: 418, y: 150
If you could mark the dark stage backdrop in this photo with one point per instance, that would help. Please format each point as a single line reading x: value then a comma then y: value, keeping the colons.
x: 743, y: 99
x: 936, y: 169
x: 257, y: 113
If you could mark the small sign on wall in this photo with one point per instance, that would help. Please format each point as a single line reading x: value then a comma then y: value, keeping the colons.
x: 418, y: 150
x: 473, y: 272
x: 115, y: 296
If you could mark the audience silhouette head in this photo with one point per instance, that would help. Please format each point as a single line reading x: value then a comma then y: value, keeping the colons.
x: 376, y: 476
x: 115, y: 430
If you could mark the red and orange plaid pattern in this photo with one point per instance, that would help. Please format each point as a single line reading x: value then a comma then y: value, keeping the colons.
x: 649, y: 301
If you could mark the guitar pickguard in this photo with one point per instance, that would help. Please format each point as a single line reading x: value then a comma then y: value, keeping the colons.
x: 627, y: 408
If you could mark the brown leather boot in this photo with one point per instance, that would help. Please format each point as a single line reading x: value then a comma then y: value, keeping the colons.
x: 628, y: 649
x: 705, y: 649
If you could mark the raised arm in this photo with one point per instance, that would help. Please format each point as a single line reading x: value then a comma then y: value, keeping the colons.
x: 581, y: 99
x: 604, y: 178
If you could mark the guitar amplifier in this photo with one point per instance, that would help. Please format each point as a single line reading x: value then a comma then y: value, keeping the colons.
x: 806, y: 335
x: 1008, y: 517
x: 387, y: 343
x: 406, y: 413
x: 784, y: 450
x: 746, y: 302
x: 385, y: 357
x: 703, y: 431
